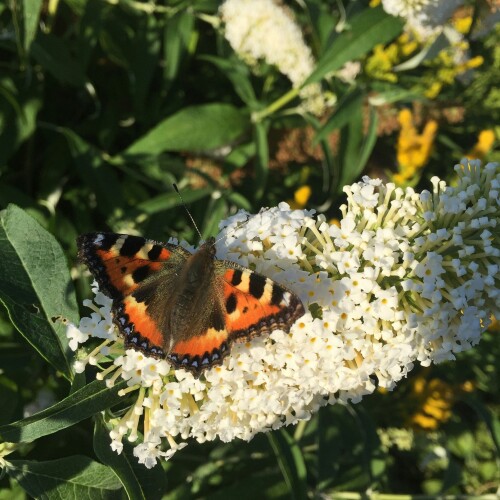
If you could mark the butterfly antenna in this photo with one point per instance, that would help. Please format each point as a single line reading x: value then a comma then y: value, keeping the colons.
x: 234, y: 229
x: 188, y: 212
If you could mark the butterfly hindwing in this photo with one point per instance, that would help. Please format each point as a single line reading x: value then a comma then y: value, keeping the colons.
x: 206, y: 349
x: 250, y: 305
x: 138, y: 327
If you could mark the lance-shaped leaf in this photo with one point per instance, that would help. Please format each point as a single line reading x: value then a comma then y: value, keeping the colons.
x: 78, y: 406
x: 36, y: 286
x: 70, y: 478
x: 367, y: 29
x: 194, y: 128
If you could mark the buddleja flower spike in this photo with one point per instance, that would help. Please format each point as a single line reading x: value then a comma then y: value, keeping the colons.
x: 406, y: 277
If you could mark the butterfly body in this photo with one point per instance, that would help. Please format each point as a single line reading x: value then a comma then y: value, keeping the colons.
x: 186, y: 307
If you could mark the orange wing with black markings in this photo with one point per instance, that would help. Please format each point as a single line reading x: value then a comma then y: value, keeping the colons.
x: 204, y: 349
x: 120, y: 262
x: 255, y: 305
x: 250, y: 305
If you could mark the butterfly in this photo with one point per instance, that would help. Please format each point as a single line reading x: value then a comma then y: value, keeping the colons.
x: 188, y: 308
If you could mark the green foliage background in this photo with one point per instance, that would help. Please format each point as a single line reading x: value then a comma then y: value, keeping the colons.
x: 103, y: 105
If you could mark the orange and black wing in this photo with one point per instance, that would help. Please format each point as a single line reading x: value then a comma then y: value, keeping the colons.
x: 250, y: 305
x: 255, y: 305
x: 120, y: 263
x: 203, y: 350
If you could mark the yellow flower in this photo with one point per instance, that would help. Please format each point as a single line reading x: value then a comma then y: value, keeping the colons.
x: 462, y: 25
x: 379, y: 65
x: 434, y: 89
x: 483, y: 145
x: 495, y: 325
x: 443, y: 69
x: 433, y: 401
x: 436, y: 399
x: 300, y: 198
x: 414, y: 149
x: 374, y: 3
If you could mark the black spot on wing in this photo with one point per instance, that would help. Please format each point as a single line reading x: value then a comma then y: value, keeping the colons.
x: 155, y: 252
x: 144, y: 293
x: 231, y: 303
x: 236, y: 279
x: 106, y: 240
x: 140, y: 274
x: 89, y: 242
x: 277, y: 295
x: 131, y: 246
x: 256, y: 286
x: 217, y: 321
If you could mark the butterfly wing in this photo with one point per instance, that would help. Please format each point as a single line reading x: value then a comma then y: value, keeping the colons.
x: 248, y: 305
x: 255, y: 304
x: 120, y: 262
x: 205, y: 349
x: 125, y: 268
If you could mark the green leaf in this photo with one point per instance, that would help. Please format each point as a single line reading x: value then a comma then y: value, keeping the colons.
x: 343, y: 113
x: 367, y: 29
x: 15, y: 492
x: 193, y: 128
x: 484, y: 413
x: 89, y: 27
x: 216, y: 210
x: 168, y: 201
x: 369, y: 140
x: 74, y: 477
x: 76, y: 407
x: 138, y: 481
x: 53, y: 54
x: 262, y: 158
x: 36, y: 286
x: 31, y: 13
x: 356, y: 147
x: 388, y: 94
x: 452, y: 476
x: 238, y: 74
x: 143, y: 58
x: 94, y: 171
x: 177, y: 36
x: 239, y: 200
x: 9, y: 396
x: 19, y: 108
x: 291, y: 463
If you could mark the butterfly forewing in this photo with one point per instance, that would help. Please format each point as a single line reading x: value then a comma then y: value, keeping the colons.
x: 120, y: 262
x: 256, y: 304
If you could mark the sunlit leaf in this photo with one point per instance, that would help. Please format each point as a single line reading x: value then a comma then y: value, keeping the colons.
x: 36, y: 286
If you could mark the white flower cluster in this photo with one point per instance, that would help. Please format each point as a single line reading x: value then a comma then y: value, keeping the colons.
x: 424, y: 17
x: 406, y: 277
x: 263, y: 30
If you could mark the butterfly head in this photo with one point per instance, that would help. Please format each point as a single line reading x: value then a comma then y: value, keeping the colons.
x: 209, y: 247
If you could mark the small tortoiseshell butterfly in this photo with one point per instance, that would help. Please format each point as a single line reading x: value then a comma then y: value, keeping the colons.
x: 187, y: 308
